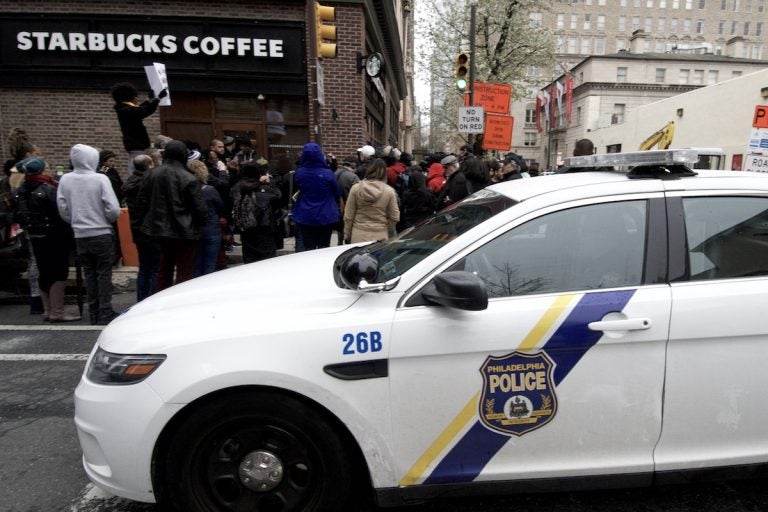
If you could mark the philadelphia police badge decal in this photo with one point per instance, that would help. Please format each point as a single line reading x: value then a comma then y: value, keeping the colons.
x: 518, y: 393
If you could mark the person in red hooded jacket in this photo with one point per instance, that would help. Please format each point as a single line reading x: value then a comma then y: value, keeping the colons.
x: 436, y: 173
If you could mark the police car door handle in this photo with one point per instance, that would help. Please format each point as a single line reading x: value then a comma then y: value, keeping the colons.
x: 630, y: 324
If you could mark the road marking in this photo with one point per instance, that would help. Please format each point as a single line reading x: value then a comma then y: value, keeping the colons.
x: 51, y: 327
x: 43, y: 357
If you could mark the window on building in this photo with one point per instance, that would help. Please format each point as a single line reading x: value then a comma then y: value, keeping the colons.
x: 648, y: 25
x: 599, y: 46
x: 530, y: 139
x: 683, y: 76
x: 661, y: 75
x: 587, y: 2
x: 572, y: 45
x: 534, y: 19
x: 746, y: 28
x: 530, y: 114
x: 734, y: 27
x: 621, y: 44
x: 698, y: 77
x: 760, y: 5
x: 587, y: 21
x: 586, y: 42
x: 748, y: 6
x: 561, y: 21
x: 688, y: 5
x: 675, y: 4
x: 757, y: 51
x: 622, y: 3
x: 759, y: 28
x: 720, y: 27
x: 662, y: 4
x: 687, y: 26
x: 533, y: 71
x: 647, y: 45
x: 601, y: 22
x: 712, y: 76
x: 637, y: 3
x: 673, y: 26
x: 601, y: 3
x: 617, y: 117
x: 702, y: 4
x: 621, y: 74
x: 635, y: 23
x: 622, y: 23
x: 578, y: 115
x: 649, y: 4
x: 700, y: 26
x: 574, y: 21
x: 559, y: 44
x: 736, y: 5
x: 723, y: 5
x: 661, y: 46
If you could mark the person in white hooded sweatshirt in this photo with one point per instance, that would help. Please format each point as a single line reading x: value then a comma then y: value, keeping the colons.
x: 87, y: 201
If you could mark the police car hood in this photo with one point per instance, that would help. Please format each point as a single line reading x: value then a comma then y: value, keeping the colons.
x: 232, y: 303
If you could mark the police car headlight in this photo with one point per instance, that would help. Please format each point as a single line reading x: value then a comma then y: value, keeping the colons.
x: 117, y: 369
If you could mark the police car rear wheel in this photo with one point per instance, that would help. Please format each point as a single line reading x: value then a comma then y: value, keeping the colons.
x: 262, y: 453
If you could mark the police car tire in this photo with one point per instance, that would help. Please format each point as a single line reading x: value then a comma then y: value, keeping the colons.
x: 318, y: 472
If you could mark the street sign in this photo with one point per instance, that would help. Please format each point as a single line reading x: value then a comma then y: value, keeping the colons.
x: 756, y: 163
x: 493, y: 97
x: 498, y: 132
x: 471, y: 120
x: 761, y: 117
x: 758, y: 140
x: 320, y: 80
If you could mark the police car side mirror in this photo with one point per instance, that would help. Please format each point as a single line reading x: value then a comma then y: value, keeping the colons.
x: 360, y: 267
x: 457, y: 289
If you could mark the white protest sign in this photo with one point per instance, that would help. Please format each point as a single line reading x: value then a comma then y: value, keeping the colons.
x: 158, y: 80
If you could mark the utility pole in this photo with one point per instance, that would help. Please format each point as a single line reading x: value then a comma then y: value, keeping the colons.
x: 472, y: 66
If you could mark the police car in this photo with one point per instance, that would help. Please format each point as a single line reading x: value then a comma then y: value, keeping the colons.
x: 580, y: 330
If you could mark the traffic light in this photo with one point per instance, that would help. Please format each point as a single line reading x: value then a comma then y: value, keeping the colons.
x: 461, y: 63
x: 325, y: 32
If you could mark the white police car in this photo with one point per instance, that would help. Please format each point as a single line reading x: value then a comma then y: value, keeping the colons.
x: 585, y: 329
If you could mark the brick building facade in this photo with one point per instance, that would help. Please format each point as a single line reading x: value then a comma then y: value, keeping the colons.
x: 58, y: 89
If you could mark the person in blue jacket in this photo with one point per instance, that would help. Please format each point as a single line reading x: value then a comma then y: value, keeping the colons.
x: 317, y: 207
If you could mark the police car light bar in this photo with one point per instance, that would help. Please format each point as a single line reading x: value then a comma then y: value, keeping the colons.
x: 661, y: 157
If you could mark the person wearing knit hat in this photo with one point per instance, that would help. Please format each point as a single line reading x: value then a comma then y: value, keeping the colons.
x: 51, y: 238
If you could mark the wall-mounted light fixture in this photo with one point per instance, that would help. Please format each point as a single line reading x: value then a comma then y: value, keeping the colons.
x: 679, y: 112
x: 260, y: 97
x: 764, y: 92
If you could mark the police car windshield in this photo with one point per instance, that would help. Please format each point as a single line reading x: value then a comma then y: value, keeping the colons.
x: 398, y: 254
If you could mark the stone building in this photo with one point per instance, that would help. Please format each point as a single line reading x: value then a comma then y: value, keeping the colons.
x: 240, y: 68
x: 582, y: 28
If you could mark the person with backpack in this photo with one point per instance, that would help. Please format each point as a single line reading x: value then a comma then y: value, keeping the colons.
x: 256, y: 204
x: 51, y: 237
x: 418, y: 201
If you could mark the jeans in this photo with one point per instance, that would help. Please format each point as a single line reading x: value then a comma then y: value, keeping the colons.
x: 149, y: 266
x: 207, y: 254
x: 314, y: 237
x: 96, y: 254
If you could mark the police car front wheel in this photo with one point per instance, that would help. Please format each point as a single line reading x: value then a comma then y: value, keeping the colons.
x: 256, y: 452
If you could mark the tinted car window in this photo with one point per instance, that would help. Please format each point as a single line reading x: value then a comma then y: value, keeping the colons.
x: 727, y: 236
x: 589, y: 247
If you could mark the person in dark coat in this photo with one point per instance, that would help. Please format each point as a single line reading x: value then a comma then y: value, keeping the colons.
x: 147, y: 248
x: 455, y: 188
x: 418, y: 201
x: 131, y: 114
x: 175, y: 210
x: 258, y: 236
x: 52, y: 239
x: 476, y: 172
x: 316, y: 211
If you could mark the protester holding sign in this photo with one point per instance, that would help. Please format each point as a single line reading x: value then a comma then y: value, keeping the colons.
x: 131, y: 118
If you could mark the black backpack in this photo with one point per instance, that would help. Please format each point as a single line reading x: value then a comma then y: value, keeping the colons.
x: 254, y: 209
x: 32, y: 212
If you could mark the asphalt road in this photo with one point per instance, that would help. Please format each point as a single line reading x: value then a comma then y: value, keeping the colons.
x: 40, y: 467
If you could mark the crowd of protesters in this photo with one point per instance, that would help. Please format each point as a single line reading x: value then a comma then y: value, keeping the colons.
x: 186, y: 203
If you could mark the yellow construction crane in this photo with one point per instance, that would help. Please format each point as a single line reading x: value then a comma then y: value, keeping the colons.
x: 662, y: 137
